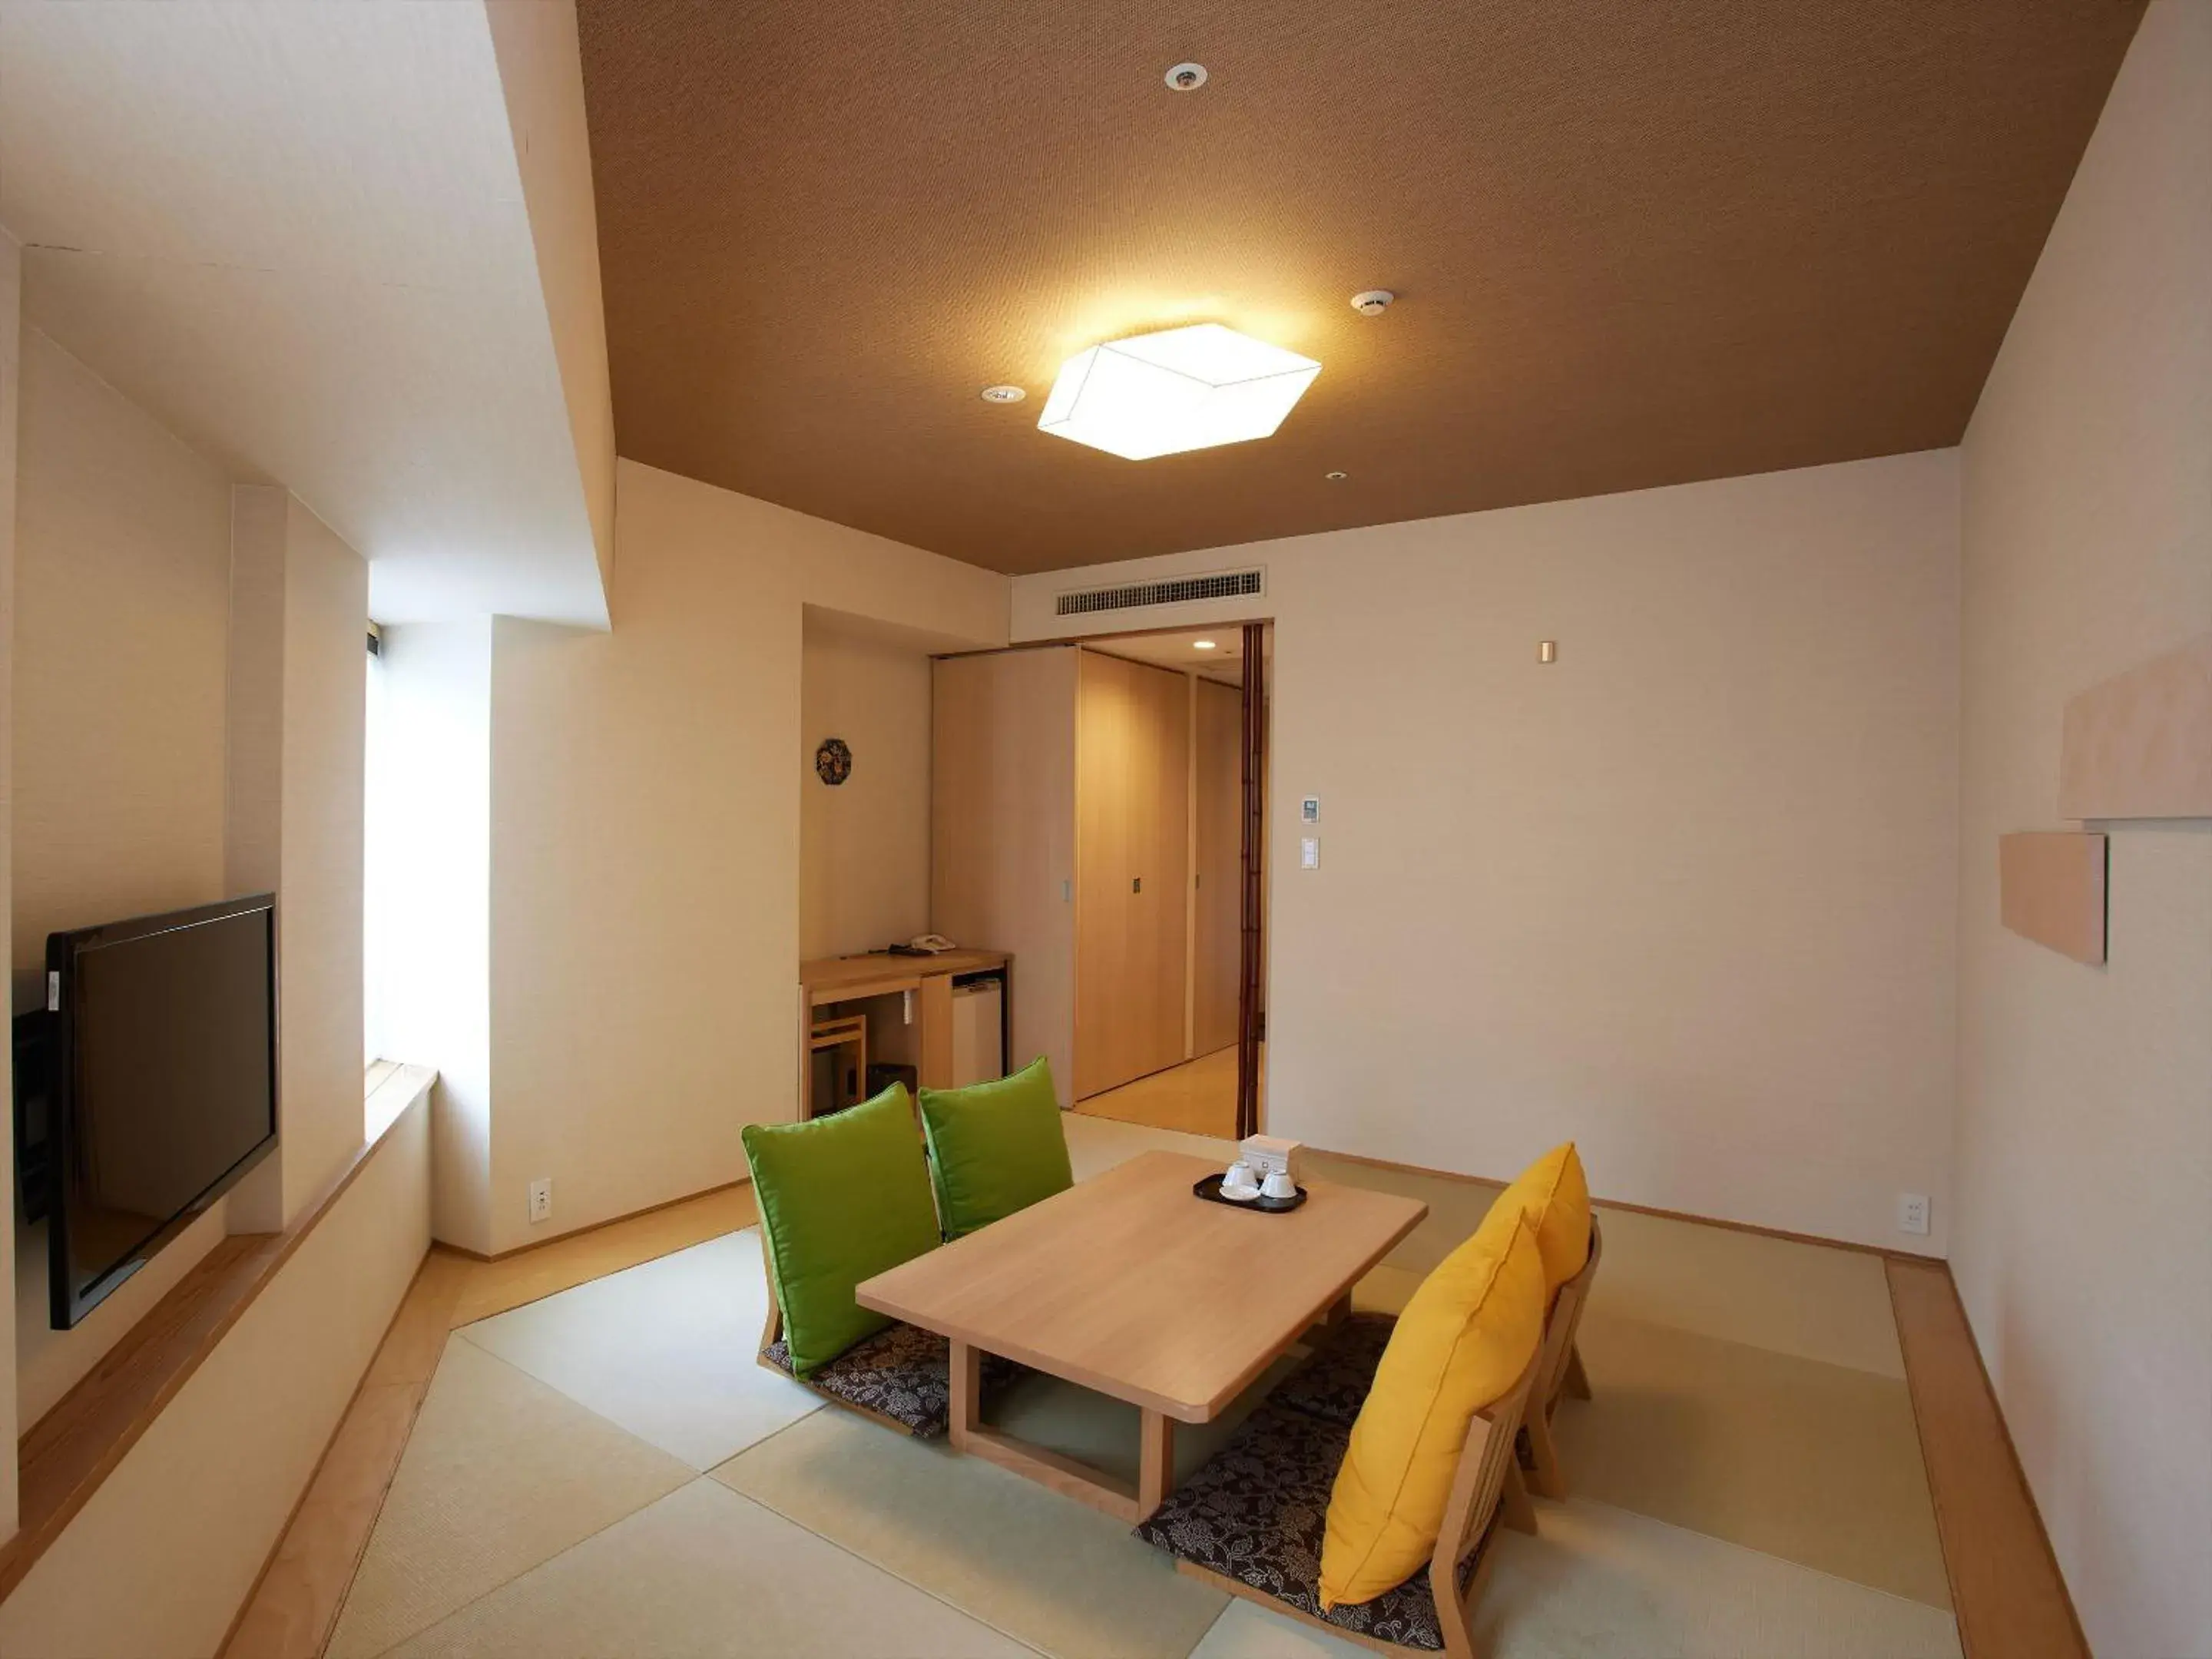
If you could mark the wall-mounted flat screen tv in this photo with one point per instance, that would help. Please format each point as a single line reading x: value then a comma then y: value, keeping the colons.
x: 160, y: 1084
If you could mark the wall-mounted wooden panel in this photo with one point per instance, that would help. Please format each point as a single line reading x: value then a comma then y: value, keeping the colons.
x: 2051, y: 889
x: 2140, y: 745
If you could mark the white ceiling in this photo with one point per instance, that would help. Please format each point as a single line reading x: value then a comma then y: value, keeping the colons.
x: 1179, y: 649
x: 294, y: 231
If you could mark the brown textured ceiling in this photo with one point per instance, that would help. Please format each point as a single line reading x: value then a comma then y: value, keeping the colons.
x: 1634, y: 244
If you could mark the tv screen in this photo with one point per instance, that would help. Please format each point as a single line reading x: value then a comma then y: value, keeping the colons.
x: 163, y: 1083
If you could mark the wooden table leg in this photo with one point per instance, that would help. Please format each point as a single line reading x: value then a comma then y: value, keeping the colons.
x: 967, y: 1394
x: 934, y: 1010
x: 1155, y: 1463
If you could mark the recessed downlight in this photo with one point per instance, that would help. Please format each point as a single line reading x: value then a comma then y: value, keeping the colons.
x: 1203, y: 645
x: 1002, y: 394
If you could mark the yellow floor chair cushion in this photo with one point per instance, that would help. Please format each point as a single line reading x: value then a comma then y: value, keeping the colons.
x: 1463, y: 1342
x: 1556, y: 1196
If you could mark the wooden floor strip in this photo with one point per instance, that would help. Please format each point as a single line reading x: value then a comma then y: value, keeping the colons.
x: 2006, y: 1588
x: 295, y: 1605
x: 64, y: 1457
x: 509, y: 1281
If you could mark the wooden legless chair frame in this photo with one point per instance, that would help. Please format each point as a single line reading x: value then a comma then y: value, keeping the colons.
x: 1485, y: 1492
x: 773, y: 1329
x: 1558, y: 1373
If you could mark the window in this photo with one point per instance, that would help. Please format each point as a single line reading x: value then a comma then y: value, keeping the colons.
x: 374, y: 842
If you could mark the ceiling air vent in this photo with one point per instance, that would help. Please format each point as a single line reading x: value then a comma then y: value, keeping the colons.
x: 1228, y: 585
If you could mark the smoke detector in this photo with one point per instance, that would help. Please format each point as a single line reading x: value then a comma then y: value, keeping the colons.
x: 1372, y: 302
x: 1002, y: 394
x: 1186, y: 77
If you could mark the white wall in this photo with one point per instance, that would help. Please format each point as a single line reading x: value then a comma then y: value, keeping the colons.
x: 864, y: 845
x: 320, y: 895
x: 299, y: 623
x: 120, y: 607
x: 429, y: 878
x: 2083, y: 1247
x: 1684, y: 894
x: 645, y: 843
x: 541, y: 72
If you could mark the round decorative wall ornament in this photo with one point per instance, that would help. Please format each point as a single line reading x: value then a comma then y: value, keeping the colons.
x: 833, y: 760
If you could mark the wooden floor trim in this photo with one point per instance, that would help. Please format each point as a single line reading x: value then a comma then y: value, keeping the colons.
x: 294, y: 1605
x: 589, y: 1228
x: 64, y: 1457
x: 2007, y: 1591
x: 1751, y: 1227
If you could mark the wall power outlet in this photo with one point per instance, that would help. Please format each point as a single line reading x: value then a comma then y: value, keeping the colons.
x: 1912, y: 1213
x: 541, y: 1200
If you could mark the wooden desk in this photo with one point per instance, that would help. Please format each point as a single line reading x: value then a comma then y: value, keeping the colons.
x: 879, y: 974
x: 1130, y: 1284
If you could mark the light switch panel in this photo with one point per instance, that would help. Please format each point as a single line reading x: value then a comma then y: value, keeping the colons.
x: 1309, y: 853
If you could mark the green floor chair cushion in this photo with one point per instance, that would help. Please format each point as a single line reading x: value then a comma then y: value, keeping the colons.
x: 842, y: 1198
x: 995, y: 1148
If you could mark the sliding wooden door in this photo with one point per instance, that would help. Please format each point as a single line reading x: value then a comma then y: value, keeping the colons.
x: 1132, y: 869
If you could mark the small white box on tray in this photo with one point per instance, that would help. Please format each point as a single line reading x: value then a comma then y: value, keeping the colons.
x: 1265, y: 1154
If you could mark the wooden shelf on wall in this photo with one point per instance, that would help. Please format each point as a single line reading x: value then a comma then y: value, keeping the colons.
x: 2139, y: 745
x: 2050, y: 885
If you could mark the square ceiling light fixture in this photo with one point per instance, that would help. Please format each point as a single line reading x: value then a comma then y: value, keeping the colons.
x: 1186, y: 388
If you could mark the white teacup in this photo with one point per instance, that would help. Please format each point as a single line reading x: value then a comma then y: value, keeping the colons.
x: 1238, y: 1183
x: 1278, y: 1184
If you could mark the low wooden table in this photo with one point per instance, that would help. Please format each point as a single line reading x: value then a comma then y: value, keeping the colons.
x: 1130, y: 1284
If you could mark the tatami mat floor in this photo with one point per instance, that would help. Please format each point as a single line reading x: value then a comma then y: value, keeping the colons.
x: 605, y: 1471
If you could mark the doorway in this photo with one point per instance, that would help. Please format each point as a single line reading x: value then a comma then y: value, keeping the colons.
x: 1214, y: 1085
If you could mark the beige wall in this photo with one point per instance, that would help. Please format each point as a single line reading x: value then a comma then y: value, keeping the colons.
x: 121, y: 614
x: 1684, y: 894
x: 864, y: 846
x: 122, y: 606
x: 158, y: 1562
x: 2083, y: 1246
x: 645, y: 843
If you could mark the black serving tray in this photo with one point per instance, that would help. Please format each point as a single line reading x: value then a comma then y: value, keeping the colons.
x: 1209, y: 1189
